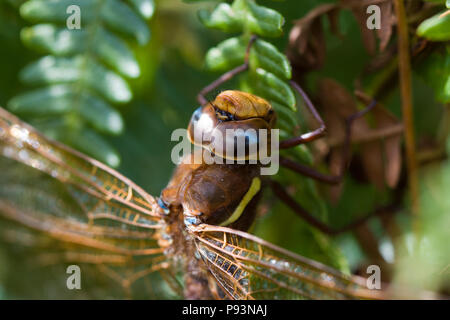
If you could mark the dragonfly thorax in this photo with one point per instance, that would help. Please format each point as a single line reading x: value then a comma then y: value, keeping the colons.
x: 217, y: 194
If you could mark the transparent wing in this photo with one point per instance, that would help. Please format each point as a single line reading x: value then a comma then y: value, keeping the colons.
x: 44, y: 229
x: 23, y: 143
x: 247, y: 267
x: 64, y: 207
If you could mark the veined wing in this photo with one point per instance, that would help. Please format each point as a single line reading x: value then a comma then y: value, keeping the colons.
x: 247, y: 267
x: 23, y: 143
x: 43, y: 228
x: 83, y: 211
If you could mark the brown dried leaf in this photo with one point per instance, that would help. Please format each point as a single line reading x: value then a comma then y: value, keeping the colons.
x: 387, y: 21
x: 307, y: 48
x: 359, y: 9
x: 367, y: 35
x: 372, y: 159
x: 392, y: 147
x: 334, y: 100
x: 338, y: 104
x: 335, y: 164
x: 333, y: 18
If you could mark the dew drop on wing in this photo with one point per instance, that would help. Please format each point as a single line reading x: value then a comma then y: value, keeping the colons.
x: 36, y: 164
x: 8, y: 152
x: 243, y: 282
x: 19, y: 133
x: 23, y: 155
x: 34, y: 144
x: 326, y: 277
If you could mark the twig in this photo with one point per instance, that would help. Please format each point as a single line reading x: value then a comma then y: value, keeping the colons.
x: 407, y: 109
x: 370, y: 135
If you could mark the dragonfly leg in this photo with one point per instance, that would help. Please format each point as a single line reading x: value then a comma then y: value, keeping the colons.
x: 281, y: 193
x: 201, y: 97
x: 318, y: 133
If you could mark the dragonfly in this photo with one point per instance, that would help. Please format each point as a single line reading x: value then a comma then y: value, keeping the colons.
x: 117, y: 225
x: 192, y: 238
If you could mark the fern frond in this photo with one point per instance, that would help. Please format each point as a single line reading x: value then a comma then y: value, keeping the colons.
x: 84, y: 73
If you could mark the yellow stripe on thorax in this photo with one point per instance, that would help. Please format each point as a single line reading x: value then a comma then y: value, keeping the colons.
x: 252, y: 191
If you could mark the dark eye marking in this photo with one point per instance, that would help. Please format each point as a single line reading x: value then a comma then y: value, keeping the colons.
x: 197, y: 114
x: 229, y: 116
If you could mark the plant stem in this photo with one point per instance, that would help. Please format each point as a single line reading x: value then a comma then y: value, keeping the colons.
x: 407, y: 109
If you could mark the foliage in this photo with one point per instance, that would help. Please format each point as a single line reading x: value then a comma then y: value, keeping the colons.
x: 84, y: 72
x: 268, y: 76
x: 436, y: 69
x: 269, y: 68
x: 436, y: 28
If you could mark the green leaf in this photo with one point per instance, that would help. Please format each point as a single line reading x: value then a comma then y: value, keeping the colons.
x: 146, y: 8
x: 62, y: 42
x: 436, y: 28
x: 266, y: 56
x: 115, y: 52
x: 91, y: 143
x: 285, y: 113
x: 435, y: 71
x: 303, y: 154
x: 51, y: 39
x: 120, y: 17
x: 81, y: 74
x: 258, y: 19
x: 46, y: 101
x: 114, y: 13
x: 222, y: 18
x: 61, y: 99
x: 273, y: 88
x: 56, y: 10
x: 100, y: 115
x: 51, y: 70
x: 226, y: 55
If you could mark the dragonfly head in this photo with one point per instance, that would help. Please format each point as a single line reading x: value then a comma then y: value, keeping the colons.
x: 236, y: 125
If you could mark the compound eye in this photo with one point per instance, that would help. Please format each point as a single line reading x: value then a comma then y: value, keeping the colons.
x: 202, y: 123
x: 240, y: 140
x: 197, y: 114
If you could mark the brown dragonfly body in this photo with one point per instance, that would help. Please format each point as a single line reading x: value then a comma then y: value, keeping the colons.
x: 216, y: 194
x: 198, y: 224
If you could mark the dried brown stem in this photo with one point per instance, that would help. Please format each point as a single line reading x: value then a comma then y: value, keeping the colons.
x: 407, y: 108
x: 372, y: 135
